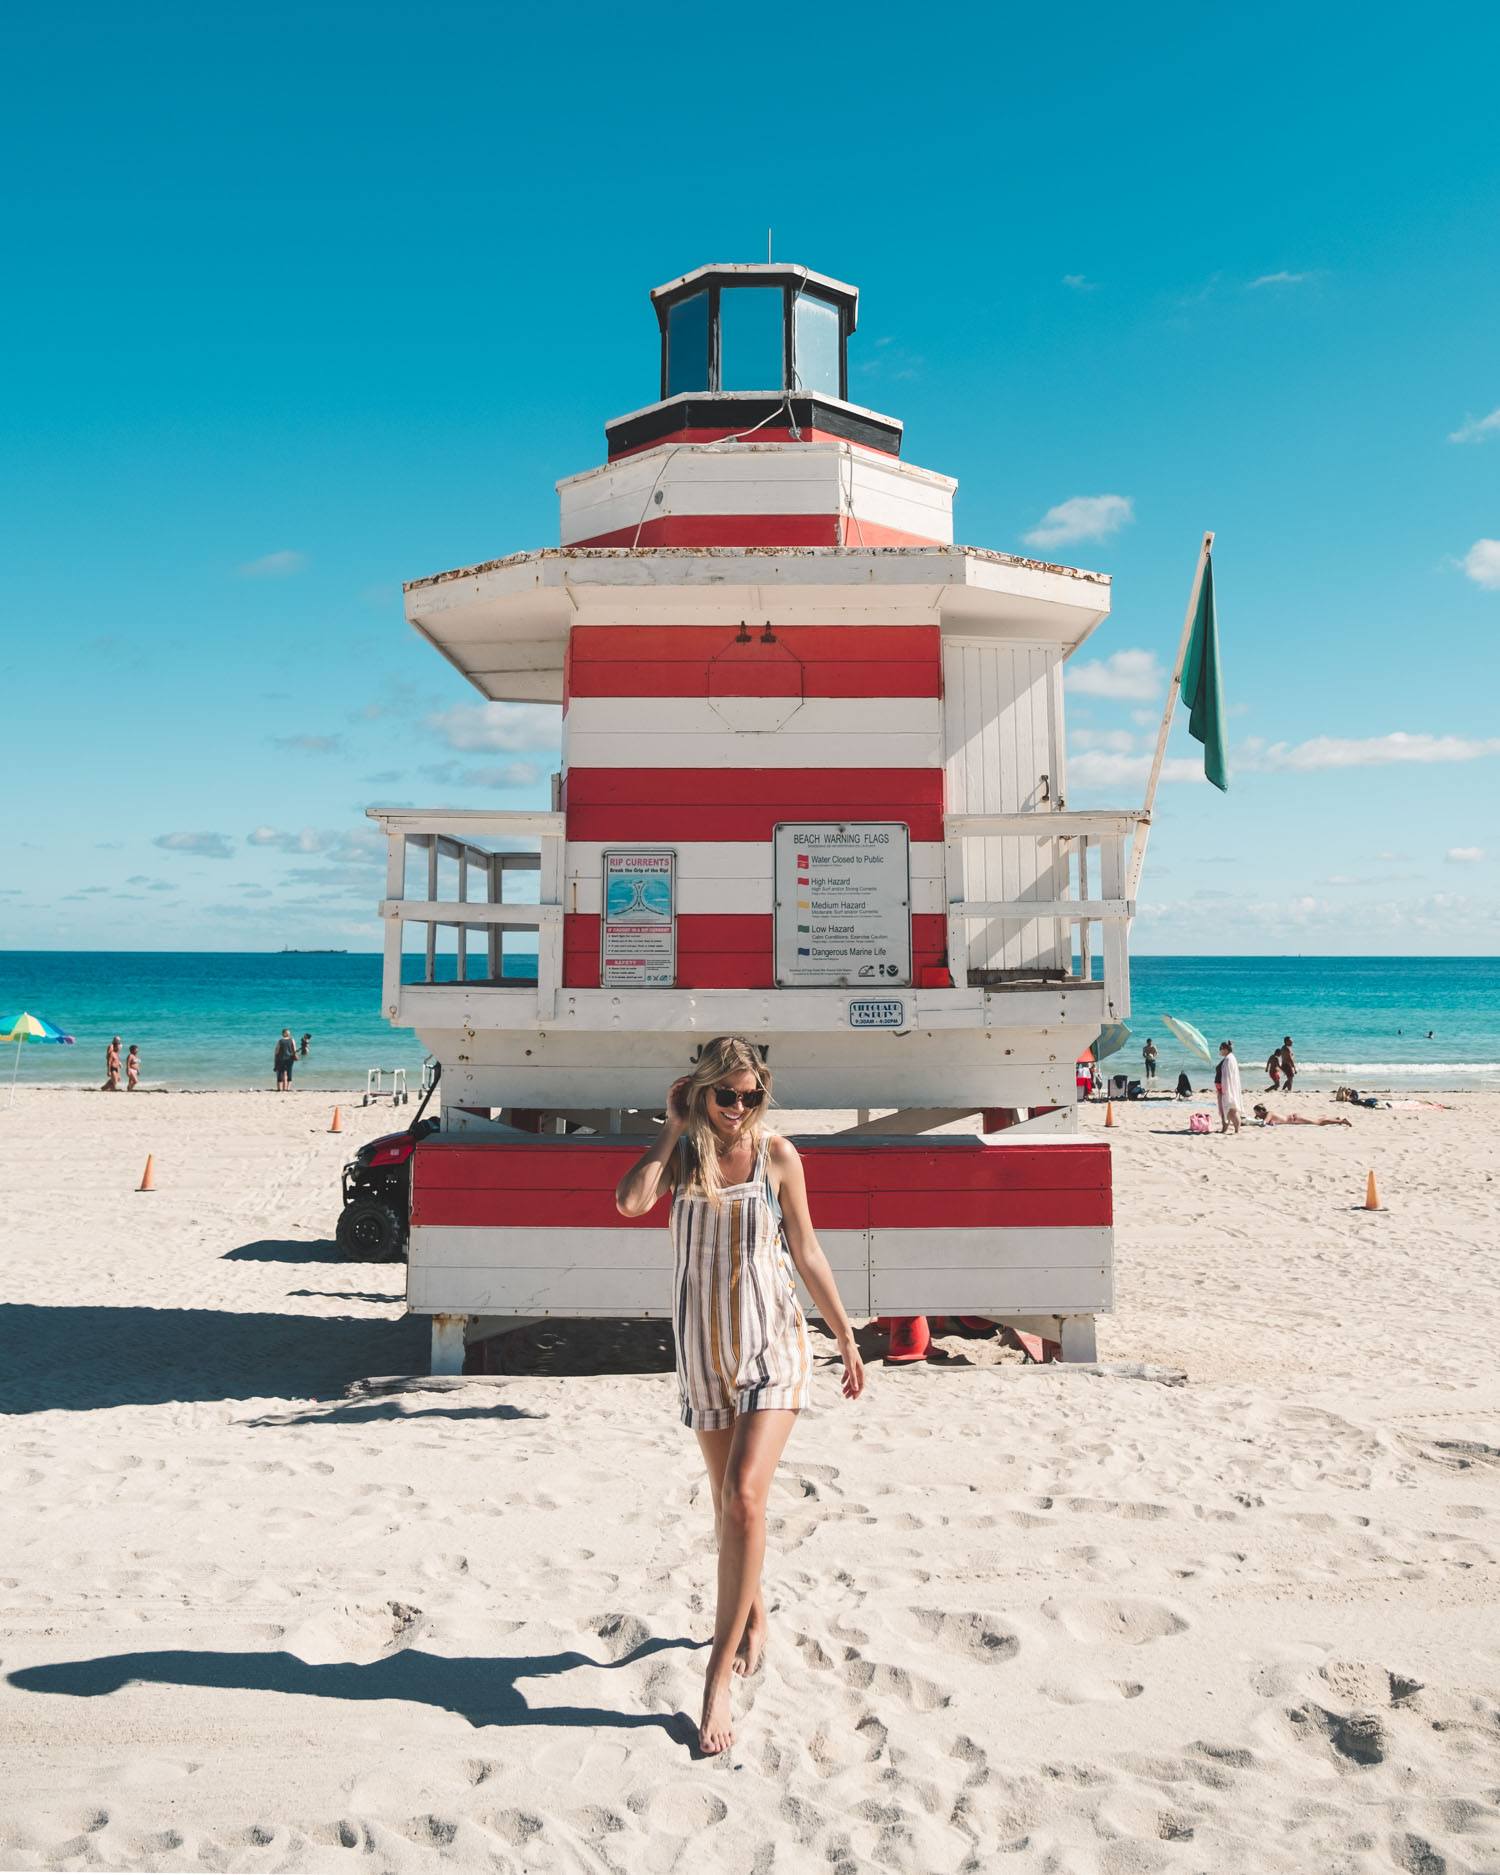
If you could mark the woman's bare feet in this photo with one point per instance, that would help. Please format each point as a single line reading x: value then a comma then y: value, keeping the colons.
x: 752, y: 1646
x: 715, y: 1728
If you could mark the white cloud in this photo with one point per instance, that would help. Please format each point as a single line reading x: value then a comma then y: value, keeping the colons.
x: 1112, y: 741
x: 274, y: 565
x: 1079, y: 283
x: 1279, y: 279
x: 309, y: 745
x: 1128, y: 675
x: 354, y: 846
x: 202, y: 845
x: 1477, y: 429
x: 1374, y: 751
x: 1098, y: 768
x: 1464, y: 855
x: 499, y: 727
x: 1482, y: 564
x: 1082, y: 517
x: 504, y: 775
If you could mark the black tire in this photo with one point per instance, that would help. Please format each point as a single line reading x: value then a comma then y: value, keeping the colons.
x: 370, y: 1231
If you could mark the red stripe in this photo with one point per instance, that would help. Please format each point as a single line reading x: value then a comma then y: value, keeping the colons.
x: 850, y: 1188
x: 744, y: 804
x: 687, y: 822
x: 726, y: 951
x: 805, y: 660
x: 837, y: 792
x: 761, y: 436
x: 757, y: 530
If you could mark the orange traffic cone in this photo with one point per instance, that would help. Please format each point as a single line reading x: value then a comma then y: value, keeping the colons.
x: 1109, y: 1113
x: 910, y: 1338
x: 148, y: 1177
x: 337, y: 1125
x: 1372, y: 1195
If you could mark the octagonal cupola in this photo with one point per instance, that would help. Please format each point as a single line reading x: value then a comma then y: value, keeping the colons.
x: 759, y: 345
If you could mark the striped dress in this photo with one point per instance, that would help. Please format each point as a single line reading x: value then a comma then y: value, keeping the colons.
x: 741, y: 1337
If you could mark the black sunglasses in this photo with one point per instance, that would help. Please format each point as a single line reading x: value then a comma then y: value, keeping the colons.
x: 732, y: 1097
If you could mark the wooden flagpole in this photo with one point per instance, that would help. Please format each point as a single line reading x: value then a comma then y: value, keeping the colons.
x: 1143, y: 825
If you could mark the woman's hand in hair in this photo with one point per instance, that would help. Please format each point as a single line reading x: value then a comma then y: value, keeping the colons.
x: 677, y: 1102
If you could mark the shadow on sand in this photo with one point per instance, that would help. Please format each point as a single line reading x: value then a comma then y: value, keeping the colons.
x: 78, y: 1359
x: 288, y: 1250
x: 481, y: 1690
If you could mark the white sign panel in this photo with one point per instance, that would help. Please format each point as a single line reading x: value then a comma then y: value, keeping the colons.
x: 843, y: 905
x: 638, y: 945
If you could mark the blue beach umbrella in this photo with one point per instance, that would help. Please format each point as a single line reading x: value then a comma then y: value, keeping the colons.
x: 1191, y: 1038
x: 1112, y: 1038
x: 28, y: 1028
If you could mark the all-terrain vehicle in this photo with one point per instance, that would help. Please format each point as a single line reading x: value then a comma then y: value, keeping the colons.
x: 376, y: 1217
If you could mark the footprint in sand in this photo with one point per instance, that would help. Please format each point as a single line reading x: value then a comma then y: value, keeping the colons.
x: 1087, y: 1689
x: 975, y: 1636
x: 1129, y: 1618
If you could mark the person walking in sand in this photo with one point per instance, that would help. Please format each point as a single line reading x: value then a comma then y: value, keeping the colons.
x: 1273, y: 1070
x: 132, y: 1069
x: 1148, y: 1055
x: 112, y: 1067
x: 1227, y: 1084
x: 284, y: 1061
x: 739, y: 1202
x: 1288, y: 1064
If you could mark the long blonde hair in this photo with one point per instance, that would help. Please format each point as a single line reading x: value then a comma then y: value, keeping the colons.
x: 725, y: 1055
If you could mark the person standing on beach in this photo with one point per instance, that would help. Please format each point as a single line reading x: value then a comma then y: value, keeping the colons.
x: 285, y: 1061
x: 112, y: 1067
x: 132, y: 1069
x: 1288, y: 1065
x: 1227, y: 1082
x: 739, y: 1202
x: 1148, y: 1055
x: 1273, y: 1070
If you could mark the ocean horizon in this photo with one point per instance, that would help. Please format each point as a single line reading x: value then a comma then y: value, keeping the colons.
x: 209, y: 1019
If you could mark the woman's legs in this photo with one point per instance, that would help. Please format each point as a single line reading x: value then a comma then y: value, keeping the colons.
x: 715, y: 1448
x: 755, y: 1449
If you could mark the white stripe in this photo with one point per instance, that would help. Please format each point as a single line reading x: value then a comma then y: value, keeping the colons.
x: 728, y: 748
x: 980, y: 1247
x: 705, y: 716
x: 995, y: 1292
x: 567, y: 1270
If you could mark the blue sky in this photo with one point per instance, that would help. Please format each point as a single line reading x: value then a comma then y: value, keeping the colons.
x: 306, y: 301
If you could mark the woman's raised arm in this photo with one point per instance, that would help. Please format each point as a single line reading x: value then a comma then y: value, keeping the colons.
x: 650, y: 1176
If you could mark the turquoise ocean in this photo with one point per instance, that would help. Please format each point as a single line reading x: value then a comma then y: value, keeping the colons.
x: 210, y: 1019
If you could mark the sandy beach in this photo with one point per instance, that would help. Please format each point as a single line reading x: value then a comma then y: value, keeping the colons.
x: 274, y: 1601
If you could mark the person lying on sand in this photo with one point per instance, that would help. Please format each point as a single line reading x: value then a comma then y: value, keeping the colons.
x: 1268, y: 1118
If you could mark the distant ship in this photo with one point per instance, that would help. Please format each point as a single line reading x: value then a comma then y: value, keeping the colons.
x: 288, y: 951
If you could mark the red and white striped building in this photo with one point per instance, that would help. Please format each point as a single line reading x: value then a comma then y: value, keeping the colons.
x: 757, y: 619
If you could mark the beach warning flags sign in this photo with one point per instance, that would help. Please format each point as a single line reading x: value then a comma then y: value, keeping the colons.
x: 1202, y: 690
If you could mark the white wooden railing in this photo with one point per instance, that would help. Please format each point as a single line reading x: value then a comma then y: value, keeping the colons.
x: 1075, y: 837
x: 452, y: 835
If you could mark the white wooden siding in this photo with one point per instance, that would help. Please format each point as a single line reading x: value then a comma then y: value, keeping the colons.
x: 999, y: 715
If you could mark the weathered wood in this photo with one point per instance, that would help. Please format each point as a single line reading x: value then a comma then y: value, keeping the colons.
x: 448, y: 1344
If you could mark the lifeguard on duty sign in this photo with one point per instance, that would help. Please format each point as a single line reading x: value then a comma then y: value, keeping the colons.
x: 843, y: 905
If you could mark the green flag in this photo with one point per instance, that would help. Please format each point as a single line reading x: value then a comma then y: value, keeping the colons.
x: 1201, y: 688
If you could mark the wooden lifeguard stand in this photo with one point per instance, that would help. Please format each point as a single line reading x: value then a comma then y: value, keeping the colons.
x: 813, y: 792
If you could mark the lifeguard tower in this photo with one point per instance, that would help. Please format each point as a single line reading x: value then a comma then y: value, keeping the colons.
x: 813, y: 792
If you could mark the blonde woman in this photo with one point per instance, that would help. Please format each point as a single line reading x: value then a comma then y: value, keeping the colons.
x: 739, y: 1201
